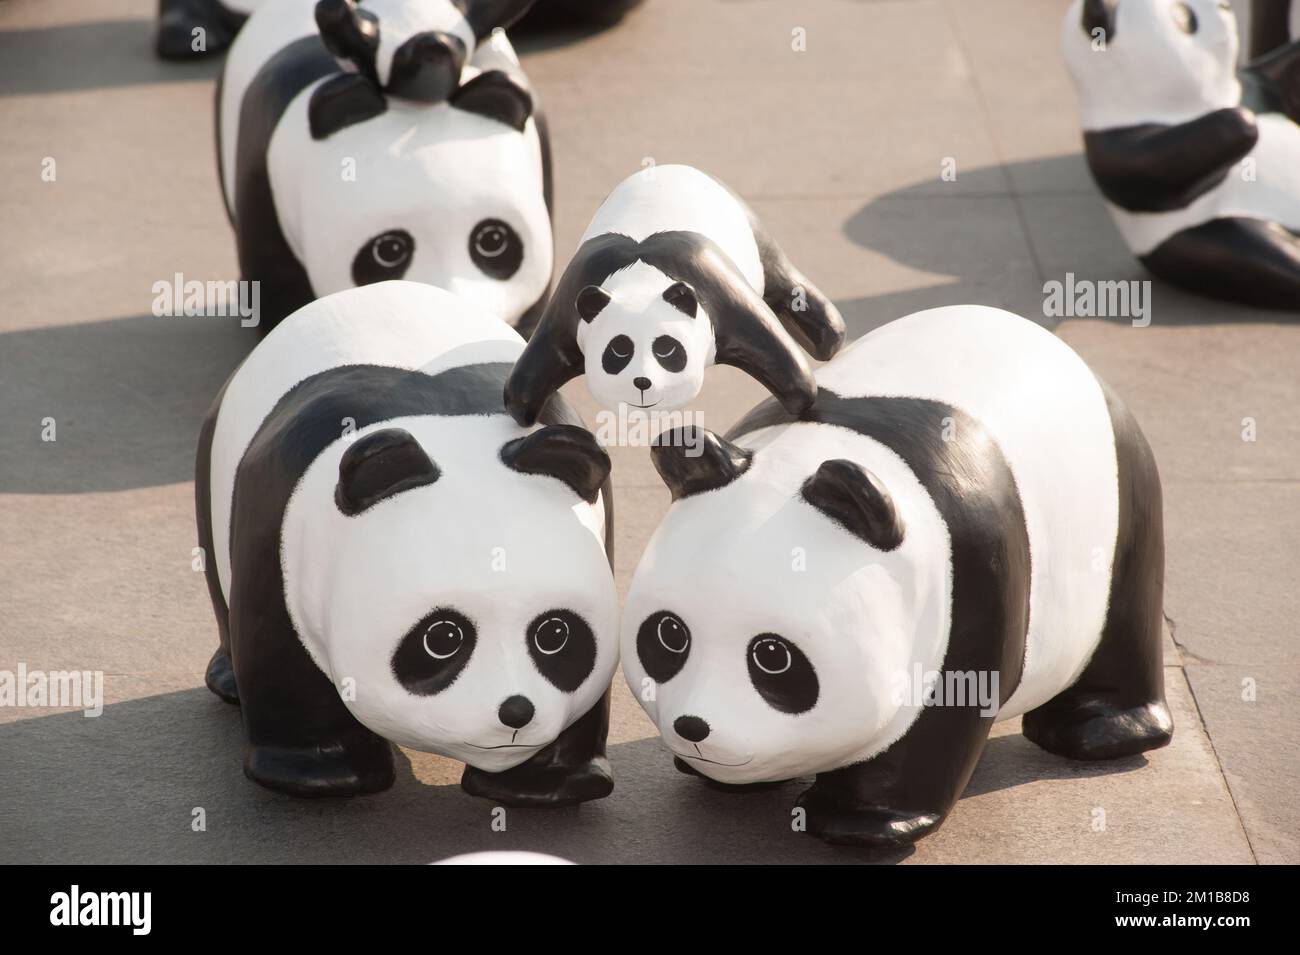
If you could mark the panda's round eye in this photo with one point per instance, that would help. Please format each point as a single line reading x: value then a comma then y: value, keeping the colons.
x: 781, y: 674
x: 672, y: 634
x: 551, y: 635
x: 443, y: 639
x: 772, y: 656
x: 663, y: 642
x: 386, y: 256
x: 563, y: 648
x: 434, y: 652
x: 1184, y: 18
x: 496, y: 248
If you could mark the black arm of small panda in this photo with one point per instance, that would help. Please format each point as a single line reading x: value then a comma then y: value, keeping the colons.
x: 1272, y: 82
x: 1156, y: 168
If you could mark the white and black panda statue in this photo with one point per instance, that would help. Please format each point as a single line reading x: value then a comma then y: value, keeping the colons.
x: 964, y: 527
x: 353, y: 148
x: 392, y: 558
x: 1200, y: 166
x: 675, y: 273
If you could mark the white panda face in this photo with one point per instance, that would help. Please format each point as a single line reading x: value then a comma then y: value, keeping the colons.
x: 645, y: 340
x: 764, y: 640
x: 1165, y: 61
x: 475, y: 614
x: 426, y: 193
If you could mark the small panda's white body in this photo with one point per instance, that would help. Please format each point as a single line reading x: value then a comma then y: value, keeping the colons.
x: 1058, y: 444
x: 311, y: 577
x: 680, y: 198
x: 1151, y: 74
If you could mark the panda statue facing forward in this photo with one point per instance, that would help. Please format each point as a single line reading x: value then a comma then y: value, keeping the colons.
x: 392, y: 558
x: 1199, y: 164
x: 964, y: 527
x: 353, y: 148
x: 675, y: 273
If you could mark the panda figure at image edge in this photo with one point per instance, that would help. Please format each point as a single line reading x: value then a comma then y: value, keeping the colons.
x: 675, y: 273
x: 331, y: 117
x: 392, y: 558
x: 1168, y: 122
x: 964, y: 498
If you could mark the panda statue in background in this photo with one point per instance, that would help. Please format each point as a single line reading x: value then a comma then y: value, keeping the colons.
x: 1273, y: 23
x: 1199, y: 164
x: 392, y: 559
x: 675, y: 273
x: 964, y: 527
x: 354, y: 148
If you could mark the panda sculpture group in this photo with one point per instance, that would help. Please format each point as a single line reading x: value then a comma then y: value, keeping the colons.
x: 1199, y: 163
x: 357, y: 483
x: 395, y: 140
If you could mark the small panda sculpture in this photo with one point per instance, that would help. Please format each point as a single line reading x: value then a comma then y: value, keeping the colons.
x: 1167, y: 125
x: 348, y: 154
x: 964, y: 527
x: 673, y: 274
x: 392, y: 558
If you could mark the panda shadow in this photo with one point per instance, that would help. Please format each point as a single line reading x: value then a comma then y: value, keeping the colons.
x: 1012, y: 760
x: 556, y: 23
x: 126, y: 395
x: 1069, y: 231
x: 86, y: 56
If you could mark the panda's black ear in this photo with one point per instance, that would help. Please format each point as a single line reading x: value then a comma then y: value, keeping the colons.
x: 426, y: 68
x: 378, y: 466
x: 350, y: 34
x: 693, y: 460
x: 497, y: 95
x: 591, y: 302
x: 341, y: 101
x: 682, y: 297
x: 854, y: 498
x: 562, y: 451
x: 1100, y: 15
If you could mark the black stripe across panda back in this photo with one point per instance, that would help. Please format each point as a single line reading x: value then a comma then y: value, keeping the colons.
x: 391, y: 139
x: 1199, y: 161
x: 392, y: 559
x: 675, y: 273
x: 964, y: 527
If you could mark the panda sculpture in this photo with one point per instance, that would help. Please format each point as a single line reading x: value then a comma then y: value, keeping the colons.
x: 965, y: 526
x: 1272, y: 24
x: 348, y: 154
x: 673, y: 274
x: 1200, y: 166
x: 392, y: 558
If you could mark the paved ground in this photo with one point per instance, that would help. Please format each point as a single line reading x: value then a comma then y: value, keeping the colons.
x: 839, y: 148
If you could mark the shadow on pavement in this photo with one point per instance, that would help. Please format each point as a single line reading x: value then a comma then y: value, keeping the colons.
x: 127, y: 397
x: 85, y: 56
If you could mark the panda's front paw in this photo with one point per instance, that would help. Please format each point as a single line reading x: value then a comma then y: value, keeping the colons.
x: 530, y: 786
x: 874, y: 827
x: 350, y: 767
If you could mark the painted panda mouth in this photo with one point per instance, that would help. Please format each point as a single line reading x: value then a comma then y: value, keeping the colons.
x: 643, y: 407
x: 502, y: 746
x: 705, y: 759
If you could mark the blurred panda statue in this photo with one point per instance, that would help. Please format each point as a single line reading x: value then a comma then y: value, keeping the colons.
x: 1273, y: 23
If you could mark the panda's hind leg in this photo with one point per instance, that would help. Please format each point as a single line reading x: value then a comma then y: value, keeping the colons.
x: 1117, y: 706
x: 1243, y: 260
x: 571, y: 770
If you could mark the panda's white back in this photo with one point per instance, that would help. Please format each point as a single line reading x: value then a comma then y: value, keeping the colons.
x: 395, y: 324
x: 681, y: 198
x: 1050, y: 418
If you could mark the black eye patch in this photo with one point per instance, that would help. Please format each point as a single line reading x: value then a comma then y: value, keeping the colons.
x: 663, y: 643
x: 670, y: 353
x: 386, y: 256
x: 496, y: 249
x: 434, y: 652
x: 617, y: 354
x: 781, y: 674
x: 563, y: 648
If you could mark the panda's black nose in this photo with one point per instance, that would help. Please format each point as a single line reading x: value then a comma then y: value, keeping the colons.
x: 642, y: 384
x: 516, y: 712
x: 691, y: 728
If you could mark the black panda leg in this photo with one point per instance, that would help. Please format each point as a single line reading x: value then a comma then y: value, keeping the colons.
x: 1243, y: 260
x: 1117, y: 707
x: 178, y: 21
x: 907, y: 791
x: 572, y: 770
x: 220, y: 675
